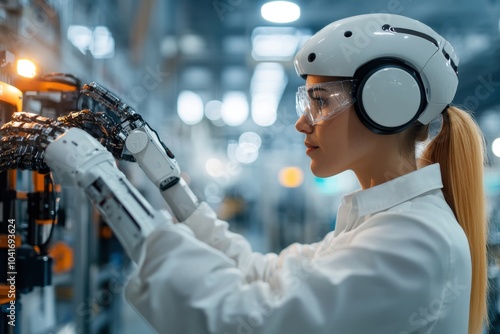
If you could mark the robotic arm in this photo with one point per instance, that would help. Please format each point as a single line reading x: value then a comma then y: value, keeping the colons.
x: 41, y: 144
x: 129, y: 137
x: 76, y: 158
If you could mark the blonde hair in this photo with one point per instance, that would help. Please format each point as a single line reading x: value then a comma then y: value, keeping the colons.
x: 459, y: 149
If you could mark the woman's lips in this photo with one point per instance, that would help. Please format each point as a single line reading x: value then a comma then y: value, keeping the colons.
x: 310, y: 147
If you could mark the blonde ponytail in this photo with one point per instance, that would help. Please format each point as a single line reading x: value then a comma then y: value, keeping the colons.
x: 459, y: 149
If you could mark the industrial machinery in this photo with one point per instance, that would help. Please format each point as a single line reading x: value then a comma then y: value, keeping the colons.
x: 10, y: 241
x: 33, y: 237
x: 28, y: 205
x: 29, y: 200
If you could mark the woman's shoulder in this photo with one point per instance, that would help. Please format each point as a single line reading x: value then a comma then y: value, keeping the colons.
x: 426, y: 222
x: 428, y: 210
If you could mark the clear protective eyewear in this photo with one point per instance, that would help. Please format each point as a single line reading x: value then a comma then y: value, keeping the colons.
x: 318, y: 102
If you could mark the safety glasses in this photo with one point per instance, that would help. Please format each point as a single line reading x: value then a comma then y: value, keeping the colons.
x: 323, y: 101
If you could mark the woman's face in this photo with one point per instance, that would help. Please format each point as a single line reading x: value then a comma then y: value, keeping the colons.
x: 339, y: 143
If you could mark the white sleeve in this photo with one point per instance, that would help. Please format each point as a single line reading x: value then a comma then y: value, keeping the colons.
x: 253, y: 265
x: 374, y: 285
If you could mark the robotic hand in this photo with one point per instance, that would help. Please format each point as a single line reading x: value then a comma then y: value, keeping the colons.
x: 24, y: 140
x: 37, y: 143
x: 127, y: 136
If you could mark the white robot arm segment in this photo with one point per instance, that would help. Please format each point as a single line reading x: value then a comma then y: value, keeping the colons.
x: 162, y: 169
x: 77, y: 158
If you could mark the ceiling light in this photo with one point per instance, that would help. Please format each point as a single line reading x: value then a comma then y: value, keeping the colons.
x: 275, y: 43
x: 213, y: 110
x: 268, y: 78
x: 99, y: 40
x: 267, y: 86
x: 280, y: 11
x: 234, y: 108
x: 192, y: 45
x: 250, y: 137
x: 246, y: 153
x: 495, y: 147
x: 80, y: 37
x: 214, y: 167
x: 103, y: 43
x: 265, y: 109
x: 190, y: 107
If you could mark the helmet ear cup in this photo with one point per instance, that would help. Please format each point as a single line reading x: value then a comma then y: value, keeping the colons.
x: 390, y: 96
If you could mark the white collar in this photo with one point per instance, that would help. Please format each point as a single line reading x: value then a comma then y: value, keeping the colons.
x: 396, y: 191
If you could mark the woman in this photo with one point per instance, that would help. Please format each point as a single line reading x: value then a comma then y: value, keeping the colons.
x: 408, y: 254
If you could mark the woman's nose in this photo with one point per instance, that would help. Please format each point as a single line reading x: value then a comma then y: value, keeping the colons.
x: 303, y: 126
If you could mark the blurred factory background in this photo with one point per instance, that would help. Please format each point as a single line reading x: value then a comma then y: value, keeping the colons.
x: 215, y: 79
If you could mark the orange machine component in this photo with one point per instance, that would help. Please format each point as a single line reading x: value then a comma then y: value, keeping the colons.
x: 4, y: 241
x: 106, y: 232
x: 50, y: 95
x: 11, y: 95
x: 63, y: 257
x: 41, y: 85
x: 6, y: 294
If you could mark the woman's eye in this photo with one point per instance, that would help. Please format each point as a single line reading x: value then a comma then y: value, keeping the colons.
x: 320, y: 102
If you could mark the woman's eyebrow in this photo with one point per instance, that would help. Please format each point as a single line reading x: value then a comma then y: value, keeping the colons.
x: 310, y: 91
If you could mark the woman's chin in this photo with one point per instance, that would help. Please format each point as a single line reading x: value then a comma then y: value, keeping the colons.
x: 322, y: 172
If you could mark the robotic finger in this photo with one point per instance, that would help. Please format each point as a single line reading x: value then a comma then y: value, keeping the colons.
x: 99, y: 125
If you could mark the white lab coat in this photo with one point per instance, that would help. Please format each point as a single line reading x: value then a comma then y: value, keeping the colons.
x: 397, y: 262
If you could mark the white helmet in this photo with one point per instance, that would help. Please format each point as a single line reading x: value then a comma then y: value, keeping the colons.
x: 404, y: 70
